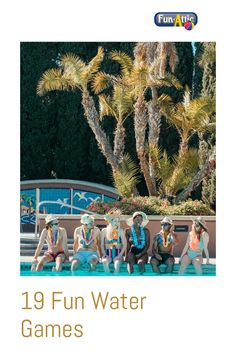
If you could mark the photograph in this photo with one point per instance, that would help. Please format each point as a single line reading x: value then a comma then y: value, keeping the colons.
x: 118, y: 159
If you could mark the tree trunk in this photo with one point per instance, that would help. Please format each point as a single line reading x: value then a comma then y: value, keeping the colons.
x: 119, y: 141
x: 93, y: 121
x: 197, y: 179
x: 154, y: 123
x: 140, y: 124
x: 183, y: 147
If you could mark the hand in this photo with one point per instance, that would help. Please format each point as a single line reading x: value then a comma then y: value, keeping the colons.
x: 139, y: 255
x: 208, y: 262
x: 118, y: 258
x: 158, y: 257
x: 35, y: 260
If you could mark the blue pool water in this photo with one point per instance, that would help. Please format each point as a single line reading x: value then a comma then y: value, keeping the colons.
x: 208, y: 270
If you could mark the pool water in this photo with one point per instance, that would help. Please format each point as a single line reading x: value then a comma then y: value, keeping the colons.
x: 208, y: 270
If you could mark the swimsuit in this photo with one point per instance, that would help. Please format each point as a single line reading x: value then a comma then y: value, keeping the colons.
x: 164, y: 256
x: 53, y: 255
x: 113, y: 247
x: 196, y: 247
x: 85, y: 256
x: 87, y: 245
x: 55, y: 243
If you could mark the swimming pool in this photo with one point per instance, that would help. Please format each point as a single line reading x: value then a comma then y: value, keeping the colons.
x: 208, y: 270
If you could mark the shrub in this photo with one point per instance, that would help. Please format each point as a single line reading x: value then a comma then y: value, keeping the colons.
x: 152, y: 206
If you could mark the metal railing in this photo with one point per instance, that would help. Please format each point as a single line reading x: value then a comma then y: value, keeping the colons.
x: 38, y: 204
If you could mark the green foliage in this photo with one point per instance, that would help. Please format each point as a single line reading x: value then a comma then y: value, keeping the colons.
x: 152, y: 206
x: 174, y: 174
x: 54, y: 134
x: 126, y: 179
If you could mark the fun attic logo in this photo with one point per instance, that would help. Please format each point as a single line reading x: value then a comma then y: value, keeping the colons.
x: 188, y: 20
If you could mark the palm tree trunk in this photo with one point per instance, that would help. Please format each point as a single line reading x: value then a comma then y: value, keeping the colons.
x: 93, y: 121
x: 119, y: 141
x: 197, y: 179
x: 154, y: 123
x: 140, y: 124
x: 183, y: 147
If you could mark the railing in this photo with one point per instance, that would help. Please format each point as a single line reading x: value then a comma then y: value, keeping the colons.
x: 38, y: 204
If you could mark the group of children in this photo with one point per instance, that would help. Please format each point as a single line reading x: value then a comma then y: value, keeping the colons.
x: 116, y: 245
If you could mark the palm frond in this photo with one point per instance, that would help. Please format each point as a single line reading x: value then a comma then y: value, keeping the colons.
x: 102, y: 81
x: 72, y: 66
x: 72, y: 60
x: 186, y: 166
x: 53, y: 79
x: 162, y: 164
x: 209, y: 54
x: 139, y: 78
x: 124, y: 60
x: 127, y: 177
x: 105, y: 106
x: 92, y: 67
x: 122, y: 101
x: 168, y: 80
x: 199, y: 112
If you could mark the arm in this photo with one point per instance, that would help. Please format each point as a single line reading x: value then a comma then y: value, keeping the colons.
x: 64, y: 244
x: 205, y: 244
x: 103, y: 254
x: 40, y: 244
x: 147, y: 244
x: 98, y: 241
x: 185, y: 248
x: 175, y: 238
x: 127, y: 244
x: 155, y: 250
x: 75, y: 245
x: 124, y: 244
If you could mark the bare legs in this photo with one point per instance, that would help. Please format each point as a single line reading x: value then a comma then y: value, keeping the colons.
x: 130, y: 262
x: 141, y: 261
x: 170, y: 264
x: 75, y: 264
x: 59, y: 260
x: 197, y: 263
x: 155, y: 265
x: 92, y: 261
x: 44, y: 260
x: 106, y: 261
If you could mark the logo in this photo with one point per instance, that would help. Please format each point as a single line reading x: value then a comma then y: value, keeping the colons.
x: 188, y: 20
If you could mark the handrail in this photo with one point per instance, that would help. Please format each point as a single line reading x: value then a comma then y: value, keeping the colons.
x: 62, y: 204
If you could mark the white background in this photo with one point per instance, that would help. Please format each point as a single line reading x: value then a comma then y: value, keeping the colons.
x: 181, y: 314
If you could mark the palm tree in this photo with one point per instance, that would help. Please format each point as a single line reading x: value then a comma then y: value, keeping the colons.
x: 126, y: 178
x: 72, y: 74
x: 119, y: 103
x: 150, y: 62
x: 173, y: 174
x: 200, y: 175
x: 208, y: 63
x: 189, y: 117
